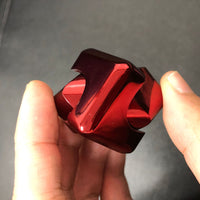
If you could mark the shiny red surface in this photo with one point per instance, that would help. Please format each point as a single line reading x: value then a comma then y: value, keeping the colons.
x: 109, y: 101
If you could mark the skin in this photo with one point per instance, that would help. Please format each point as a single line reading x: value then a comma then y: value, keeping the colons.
x: 52, y: 163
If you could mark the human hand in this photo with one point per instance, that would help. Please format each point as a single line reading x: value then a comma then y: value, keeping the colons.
x: 52, y: 163
x: 181, y: 114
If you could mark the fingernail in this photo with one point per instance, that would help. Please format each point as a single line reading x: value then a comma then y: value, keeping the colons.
x: 178, y: 83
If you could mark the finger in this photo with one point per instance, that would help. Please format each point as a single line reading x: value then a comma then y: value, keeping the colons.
x: 181, y: 114
x: 69, y: 145
x: 115, y: 185
x: 37, y: 159
x: 37, y: 115
x: 90, y: 171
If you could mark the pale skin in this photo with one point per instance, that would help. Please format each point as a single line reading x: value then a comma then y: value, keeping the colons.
x: 52, y: 163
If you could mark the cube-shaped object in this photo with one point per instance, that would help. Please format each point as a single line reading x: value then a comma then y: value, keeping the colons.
x: 109, y: 101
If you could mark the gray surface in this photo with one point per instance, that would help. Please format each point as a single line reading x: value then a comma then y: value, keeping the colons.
x: 42, y: 39
x: 4, y: 11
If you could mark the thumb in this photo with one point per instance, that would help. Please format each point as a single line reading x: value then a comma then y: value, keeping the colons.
x: 181, y: 115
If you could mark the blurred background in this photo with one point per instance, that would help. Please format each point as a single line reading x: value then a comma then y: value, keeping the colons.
x: 42, y: 39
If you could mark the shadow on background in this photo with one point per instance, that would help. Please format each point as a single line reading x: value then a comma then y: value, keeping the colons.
x: 165, y: 189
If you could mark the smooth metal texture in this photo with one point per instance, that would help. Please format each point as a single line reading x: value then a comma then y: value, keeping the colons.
x: 109, y: 101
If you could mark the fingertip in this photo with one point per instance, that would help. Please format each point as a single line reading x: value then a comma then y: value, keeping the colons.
x: 180, y: 109
x: 181, y: 114
x: 173, y: 108
x: 36, y: 89
x: 37, y: 84
x: 167, y: 74
x: 37, y: 112
x: 164, y: 79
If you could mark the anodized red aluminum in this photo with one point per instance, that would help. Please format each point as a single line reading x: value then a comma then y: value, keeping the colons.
x: 109, y: 101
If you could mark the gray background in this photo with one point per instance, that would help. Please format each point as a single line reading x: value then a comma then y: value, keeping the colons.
x: 43, y: 38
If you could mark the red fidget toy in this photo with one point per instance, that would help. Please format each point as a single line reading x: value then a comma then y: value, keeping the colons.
x: 109, y: 101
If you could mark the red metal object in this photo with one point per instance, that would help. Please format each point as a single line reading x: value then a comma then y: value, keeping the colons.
x: 109, y: 101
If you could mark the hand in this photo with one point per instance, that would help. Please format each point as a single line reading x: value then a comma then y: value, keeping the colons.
x: 52, y: 163
x: 181, y: 114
